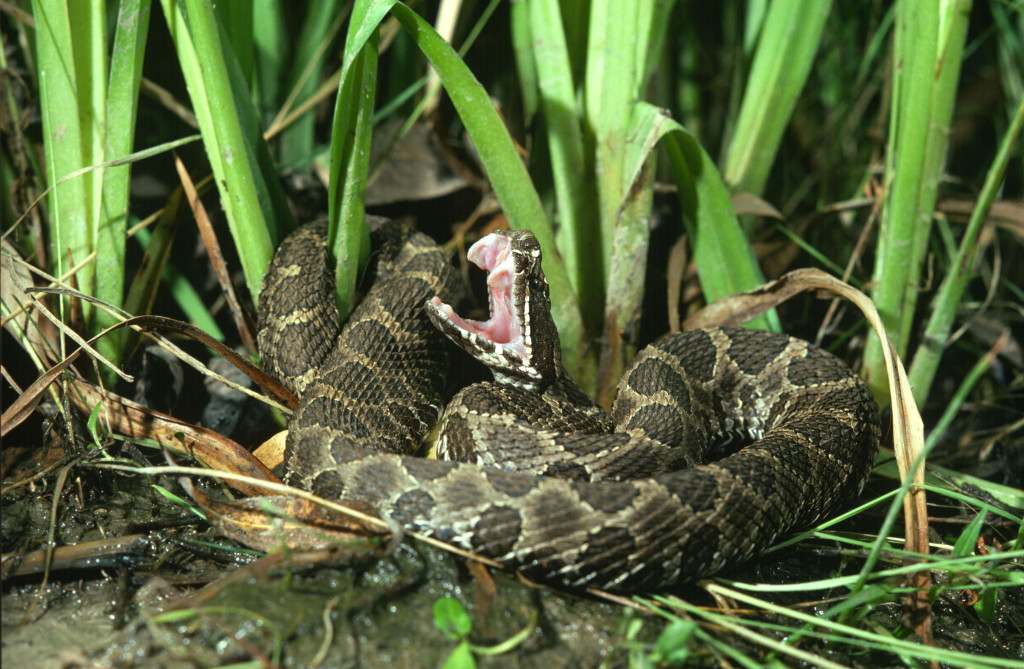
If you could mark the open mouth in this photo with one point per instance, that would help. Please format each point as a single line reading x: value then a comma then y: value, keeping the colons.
x: 492, y: 254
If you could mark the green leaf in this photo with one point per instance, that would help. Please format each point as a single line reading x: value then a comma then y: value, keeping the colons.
x: 451, y: 618
x: 968, y: 539
x: 673, y: 644
x: 725, y: 261
x: 461, y: 658
x: 985, y: 607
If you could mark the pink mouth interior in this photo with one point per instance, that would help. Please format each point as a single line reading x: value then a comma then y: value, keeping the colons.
x: 492, y: 254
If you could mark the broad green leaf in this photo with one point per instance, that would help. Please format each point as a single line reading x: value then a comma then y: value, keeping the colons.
x: 252, y: 198
x: 725, y: 261
x: 505, y: 169
x: 451, y: 618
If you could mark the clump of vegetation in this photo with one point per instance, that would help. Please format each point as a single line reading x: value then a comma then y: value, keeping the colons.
x: 656, y: 149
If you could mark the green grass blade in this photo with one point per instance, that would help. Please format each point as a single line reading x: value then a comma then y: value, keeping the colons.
x: 929, y: 44
x: 725, y: 261
x: 654, y: 19
x: 72, y: 91
x: 272, y: 56
x: 526, y: 64
x: 611, y: 85
x: 952, y: 407
x: 786, y: 50
x: 494, y: 146
x: 122, y: 111
x: 951, y: 291
x: 348, y: 238
x: 625, y: 292
x: 618, y: 55
x: 573, y: 180
x: 297, y: 142
x: 1011, y: 50
x: 836, y: 632
x: 250, y: 194
x: 505, y: 170
x: 235, y: 19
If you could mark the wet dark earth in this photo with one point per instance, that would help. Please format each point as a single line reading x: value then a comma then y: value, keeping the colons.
x: 140, y: 580
x: 156, y: 586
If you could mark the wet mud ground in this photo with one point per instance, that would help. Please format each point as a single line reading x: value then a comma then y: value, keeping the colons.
x: 183, y: 596
x: 156, y: 586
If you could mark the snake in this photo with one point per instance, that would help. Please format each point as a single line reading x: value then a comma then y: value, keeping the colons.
x: 720, y: 440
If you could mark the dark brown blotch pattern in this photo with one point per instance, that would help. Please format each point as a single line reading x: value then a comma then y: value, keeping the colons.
x: 380, y: 387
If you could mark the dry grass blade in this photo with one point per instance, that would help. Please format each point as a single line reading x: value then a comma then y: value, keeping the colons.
x: 269, y: 384
x: 268, y: 523
x: 136, y: 421
x: 22, y: 408
x: 27, y: 401
x: 69, y: 332
x: 15, y: 280
x: 1006, y: 214
x: 281, y: 397
x: 246, y: 328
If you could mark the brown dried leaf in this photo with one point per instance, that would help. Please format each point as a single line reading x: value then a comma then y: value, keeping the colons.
x: 676, y: 270
x: 22, y: 408
x: 271, y: 451
x: 749, y: 204
x: 212, y: 449
x: 268, y: 523
x: 413, y: 168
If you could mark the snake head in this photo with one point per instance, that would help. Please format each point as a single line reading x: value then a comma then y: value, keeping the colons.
x: 519, y: 342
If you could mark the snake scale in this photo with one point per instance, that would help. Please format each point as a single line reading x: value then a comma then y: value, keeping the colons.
x: 720, y: 440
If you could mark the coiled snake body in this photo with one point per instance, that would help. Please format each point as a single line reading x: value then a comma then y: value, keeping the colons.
x: 537, y: 477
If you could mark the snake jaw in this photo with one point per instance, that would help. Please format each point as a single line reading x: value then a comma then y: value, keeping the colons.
x: 494, y: 255
x: 503, y: 342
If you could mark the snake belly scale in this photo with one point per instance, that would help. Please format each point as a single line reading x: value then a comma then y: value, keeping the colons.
x: 720, y: 440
